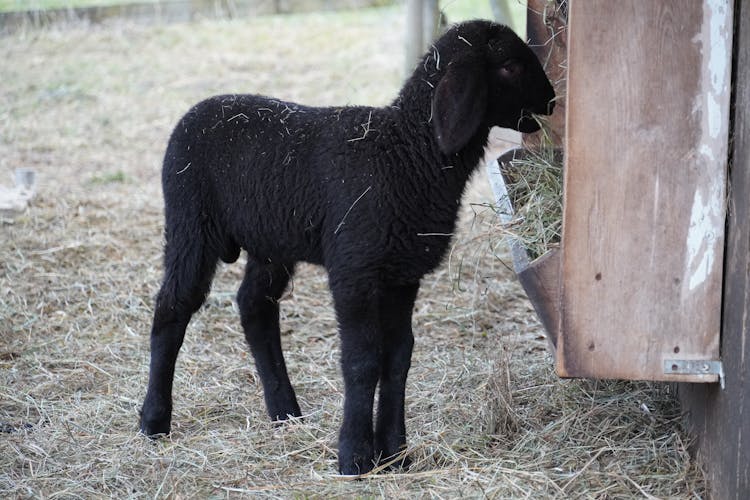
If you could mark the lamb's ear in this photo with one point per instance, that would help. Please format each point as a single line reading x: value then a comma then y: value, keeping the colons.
x: 459, y: 104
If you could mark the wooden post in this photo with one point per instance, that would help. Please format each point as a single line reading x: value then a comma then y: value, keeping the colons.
x: 431, y: 23
x: 414, y: 34
x: 721, y: 418
x: 500, y: 11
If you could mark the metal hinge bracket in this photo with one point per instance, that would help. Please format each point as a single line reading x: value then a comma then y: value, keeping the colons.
x: 694, y: 367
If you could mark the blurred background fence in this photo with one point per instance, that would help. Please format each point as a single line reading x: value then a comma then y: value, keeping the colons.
x: 16, y: 15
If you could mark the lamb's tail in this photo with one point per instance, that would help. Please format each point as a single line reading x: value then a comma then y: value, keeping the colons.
x: 191, y: 207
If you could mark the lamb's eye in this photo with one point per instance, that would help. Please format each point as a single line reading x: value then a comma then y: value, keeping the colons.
x: 510, y: 69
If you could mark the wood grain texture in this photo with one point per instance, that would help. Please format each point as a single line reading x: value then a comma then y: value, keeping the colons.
x: 645, y: 177
x: 721, y: 418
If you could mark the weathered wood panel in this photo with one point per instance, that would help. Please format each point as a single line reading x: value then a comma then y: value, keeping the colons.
x: 646, y: 148
x: 721, y: 418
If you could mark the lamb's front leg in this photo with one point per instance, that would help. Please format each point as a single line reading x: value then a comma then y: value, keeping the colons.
x: 361, y: 346
x: 396, y: 307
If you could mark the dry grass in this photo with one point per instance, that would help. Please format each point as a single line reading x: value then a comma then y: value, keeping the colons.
x: 91, y: 110
x: 535, y: 187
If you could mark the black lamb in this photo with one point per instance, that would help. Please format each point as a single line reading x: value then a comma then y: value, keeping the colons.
x: 370, y: 193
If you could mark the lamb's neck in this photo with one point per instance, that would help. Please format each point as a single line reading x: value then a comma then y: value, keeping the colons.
x: 436, y: 179
x: 414, y: 108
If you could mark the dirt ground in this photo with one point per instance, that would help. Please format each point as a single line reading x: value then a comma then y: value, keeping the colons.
x: 90, y: 108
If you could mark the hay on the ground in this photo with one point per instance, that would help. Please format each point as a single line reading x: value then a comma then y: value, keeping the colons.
x: 91, y: 110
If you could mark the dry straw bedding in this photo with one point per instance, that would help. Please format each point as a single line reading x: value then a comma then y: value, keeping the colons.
x: 534, y: 182
x: 91, y: 109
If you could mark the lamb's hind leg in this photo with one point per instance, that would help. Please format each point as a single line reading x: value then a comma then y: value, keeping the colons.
x: 258, y: 300
x: 188, y: 271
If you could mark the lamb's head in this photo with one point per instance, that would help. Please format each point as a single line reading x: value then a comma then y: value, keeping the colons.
x: 487, y: 76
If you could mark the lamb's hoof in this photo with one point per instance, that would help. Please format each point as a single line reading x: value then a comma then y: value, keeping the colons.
x: 155, y: 427
x: 154, y: 430
x: 355, y: 466
x: 280, y: 418
x: 394, y: 463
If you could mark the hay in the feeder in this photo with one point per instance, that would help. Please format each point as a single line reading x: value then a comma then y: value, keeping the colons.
x: 534, y: 183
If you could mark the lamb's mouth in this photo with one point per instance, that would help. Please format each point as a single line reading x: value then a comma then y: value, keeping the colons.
x: 527, y: 123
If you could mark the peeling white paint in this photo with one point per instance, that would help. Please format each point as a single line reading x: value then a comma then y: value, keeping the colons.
x: 702, y: 237
x: 706, y: 229
x: 655, y: 218
x: 706, y: 152
x: 717, y: 63
x: 715, y: 116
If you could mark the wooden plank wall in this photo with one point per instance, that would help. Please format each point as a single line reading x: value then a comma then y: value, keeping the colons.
x: 721, y: 418
x: 646, y: 149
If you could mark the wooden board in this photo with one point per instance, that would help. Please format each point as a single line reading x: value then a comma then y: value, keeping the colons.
x: 644, y: 202
x: 721, y: 418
